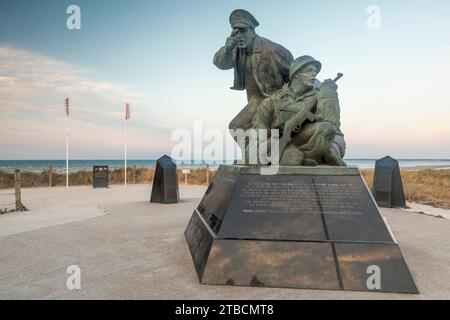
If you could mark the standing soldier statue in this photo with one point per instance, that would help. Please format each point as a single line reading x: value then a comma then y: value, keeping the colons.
x: 260, y: 66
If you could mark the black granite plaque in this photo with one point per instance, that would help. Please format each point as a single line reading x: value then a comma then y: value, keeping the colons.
x: 200, y: 241
x: 301, y: 228
x: 217, y: 198
x: 165, y: 182
x: 387, y: 186
x: 356, y: 260
x: 271, y: 264
x: 273, y: 208
x: 100, y: 176
x: 349, y: 211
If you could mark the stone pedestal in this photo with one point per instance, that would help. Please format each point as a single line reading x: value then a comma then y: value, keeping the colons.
x: 165, y: 182
x: 312, y: 228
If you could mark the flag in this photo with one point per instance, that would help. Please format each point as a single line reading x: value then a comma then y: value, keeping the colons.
x: 66, y: 104
x: 127, y: 111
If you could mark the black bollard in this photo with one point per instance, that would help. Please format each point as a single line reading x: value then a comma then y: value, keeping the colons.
x: 387, y: 186
x: 165, y: 182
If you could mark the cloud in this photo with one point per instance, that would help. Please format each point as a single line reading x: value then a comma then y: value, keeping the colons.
x: 32, y: 92
x: 37, y: 79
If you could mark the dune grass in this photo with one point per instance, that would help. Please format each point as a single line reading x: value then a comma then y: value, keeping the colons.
x: 430, y: 187
x: 80, y: 178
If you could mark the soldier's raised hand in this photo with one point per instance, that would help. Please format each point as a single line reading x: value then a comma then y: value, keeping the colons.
x: 231, y: 40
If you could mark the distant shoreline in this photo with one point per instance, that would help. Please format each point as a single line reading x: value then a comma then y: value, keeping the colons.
x: 58, y: 166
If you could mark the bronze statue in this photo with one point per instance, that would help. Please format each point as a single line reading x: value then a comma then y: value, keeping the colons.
x: 308, y: 118
x: 322, y: 215
x: 261, y: 67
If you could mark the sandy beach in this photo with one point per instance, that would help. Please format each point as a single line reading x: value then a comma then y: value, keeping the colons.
x: 128, y: 248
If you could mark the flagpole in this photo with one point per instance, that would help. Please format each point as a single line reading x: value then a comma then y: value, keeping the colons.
x: 67, y: 142
x: 127, y: 116
x: 125, y: 151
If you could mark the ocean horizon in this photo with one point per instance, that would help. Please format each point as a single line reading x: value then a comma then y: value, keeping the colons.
x: 86, y: 165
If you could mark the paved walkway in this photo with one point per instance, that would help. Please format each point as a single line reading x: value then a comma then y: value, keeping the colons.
x: 128, y: 248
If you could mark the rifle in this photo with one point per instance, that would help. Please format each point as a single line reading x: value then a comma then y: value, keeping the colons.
x: 299, y: 119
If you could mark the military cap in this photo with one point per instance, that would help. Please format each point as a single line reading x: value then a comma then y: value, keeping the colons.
x: 301, y: 62
x: 242, y: 19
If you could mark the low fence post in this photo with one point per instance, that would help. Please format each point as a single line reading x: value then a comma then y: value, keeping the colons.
x: 50, y: 177
x: 17, y: 186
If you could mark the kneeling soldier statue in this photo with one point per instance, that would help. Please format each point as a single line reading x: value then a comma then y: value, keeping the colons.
x: 307, y: 118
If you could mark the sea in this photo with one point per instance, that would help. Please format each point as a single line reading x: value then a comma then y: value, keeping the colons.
x: 86, y: 165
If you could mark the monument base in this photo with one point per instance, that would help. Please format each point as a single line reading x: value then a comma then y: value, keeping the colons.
x: 311, y: 228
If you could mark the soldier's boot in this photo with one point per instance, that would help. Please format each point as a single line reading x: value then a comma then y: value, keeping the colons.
x: 309, y: 163
x: 333, y: 156
x: 292, y: 156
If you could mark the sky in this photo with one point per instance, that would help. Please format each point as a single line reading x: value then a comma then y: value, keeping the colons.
x: 157, y: 55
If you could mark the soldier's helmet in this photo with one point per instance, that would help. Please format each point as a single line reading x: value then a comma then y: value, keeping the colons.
x: 301, y: 62
x: 242, y: 19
